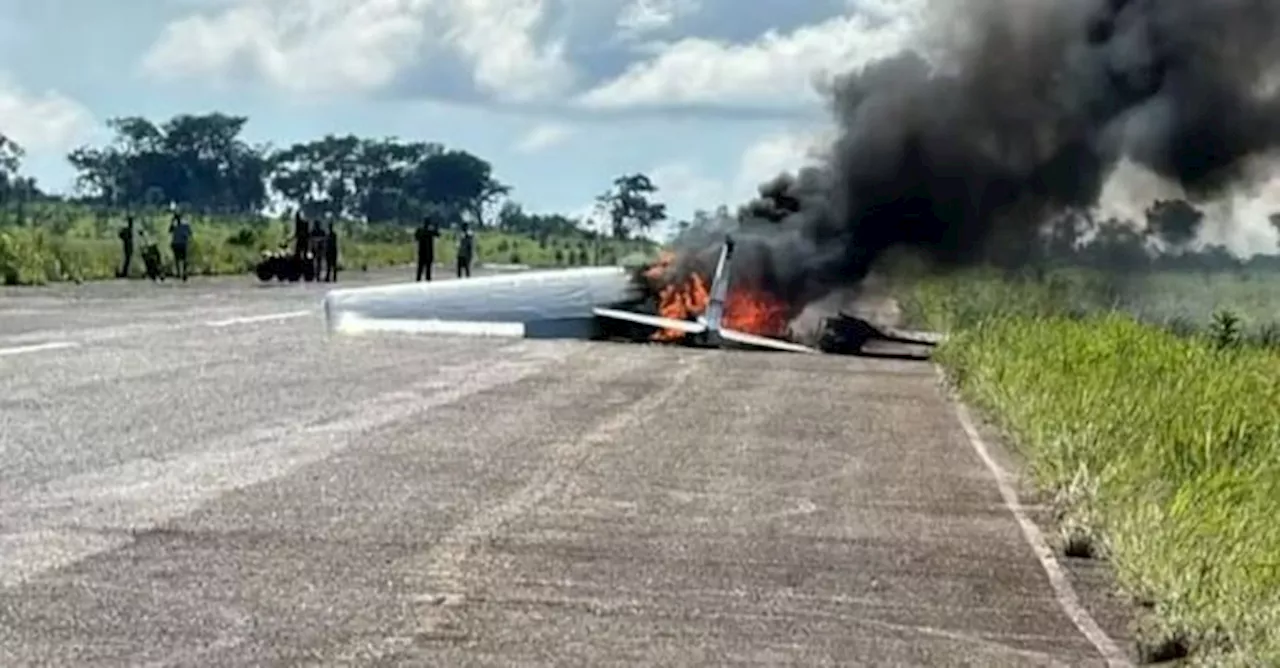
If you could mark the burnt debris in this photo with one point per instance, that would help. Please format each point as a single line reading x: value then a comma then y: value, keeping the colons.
x: 845, y: 334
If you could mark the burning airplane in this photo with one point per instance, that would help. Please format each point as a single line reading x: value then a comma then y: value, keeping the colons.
x: 713, y: 316
x: 642, y: 304
x: 998, y: 118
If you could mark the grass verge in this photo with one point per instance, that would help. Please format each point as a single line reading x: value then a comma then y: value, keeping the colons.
x: 1161, y: 451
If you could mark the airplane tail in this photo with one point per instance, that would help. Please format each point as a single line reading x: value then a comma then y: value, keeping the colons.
x: 709, y: 326
x: 719, y: 291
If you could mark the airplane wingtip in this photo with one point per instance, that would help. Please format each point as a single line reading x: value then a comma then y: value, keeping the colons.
x: 766, y: 342
x: 657, y: 322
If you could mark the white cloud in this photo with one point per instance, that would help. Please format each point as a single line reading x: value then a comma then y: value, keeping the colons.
x: 498, y: 37
x: 777, y: 70
x: 784, y: 151
x: 683, y: 187
x: 516, y: 51
x: 639, y: 17
x: 45, y: 121
x: 332, y: 46
x: 300, y: 46
x: 542, y: 137
x: 686, y: 188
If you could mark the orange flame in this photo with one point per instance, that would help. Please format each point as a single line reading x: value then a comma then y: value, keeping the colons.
x: 755, y: 312
x: 682, y: 301
x: 747, y: 310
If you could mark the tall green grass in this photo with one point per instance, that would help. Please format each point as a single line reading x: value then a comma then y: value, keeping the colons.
x: 1163, y: 450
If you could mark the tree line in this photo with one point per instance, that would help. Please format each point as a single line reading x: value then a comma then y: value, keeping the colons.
x: 202, y: 162
x: 1163, y: 241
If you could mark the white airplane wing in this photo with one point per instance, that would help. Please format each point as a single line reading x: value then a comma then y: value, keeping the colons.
x: 536, y: 304
x: 651, y: 320
x: 746, y: 339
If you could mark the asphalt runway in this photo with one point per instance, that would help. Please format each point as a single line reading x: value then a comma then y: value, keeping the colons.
x: 198, y: 475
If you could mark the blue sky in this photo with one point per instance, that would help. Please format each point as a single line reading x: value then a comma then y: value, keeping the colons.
x: 708, y: 96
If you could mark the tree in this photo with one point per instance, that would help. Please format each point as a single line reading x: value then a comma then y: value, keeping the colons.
x: 381, y: 169
x: 201, y: 162
x: 11, y: 155
x: 1117, y: 246
x: 513, y: 218
x: 10, y: 161
x: 15, y: 189
x: 318, y: 176
x: 197, y: 161
x: 384, y: 179
x: 458, y: 182
x: 1174, y: 222
x: 628, y: 206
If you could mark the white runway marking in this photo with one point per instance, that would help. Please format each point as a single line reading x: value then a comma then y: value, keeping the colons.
x: 1062, y: 588
x: 38, y: 347
x: 249, y: 319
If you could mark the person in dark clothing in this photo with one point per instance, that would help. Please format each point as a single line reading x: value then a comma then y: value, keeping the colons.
x: 126, y: 242
x: 301, y: 234
x: 151, y: 260
x: 426, y: 235
x: 318, y: 240
x: 179, y: 240
x: 466, y: 250
x: 331, y: 254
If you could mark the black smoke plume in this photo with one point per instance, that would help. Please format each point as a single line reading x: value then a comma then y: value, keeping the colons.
x: 1015, y: 117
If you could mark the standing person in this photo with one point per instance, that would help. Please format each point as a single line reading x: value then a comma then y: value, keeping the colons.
x: 466, y: 250
x: 179, y: 239
x: 301, y: 234
x: 426, y: 236
x: 126, y: 242
x: 331, y: 254
x: 318, y: 239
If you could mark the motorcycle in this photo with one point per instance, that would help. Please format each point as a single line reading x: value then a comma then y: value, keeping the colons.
x: 283, y: 264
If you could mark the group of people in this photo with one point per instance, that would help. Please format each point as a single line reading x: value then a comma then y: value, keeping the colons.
x: 318, y: 240
x: 179, y: 243
x: 426, y: 236
x: 322, y: 241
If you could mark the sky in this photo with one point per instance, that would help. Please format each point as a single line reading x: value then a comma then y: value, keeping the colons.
x: 708, y: 97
